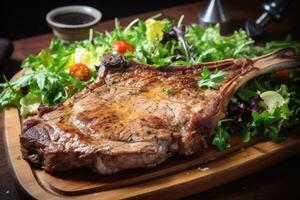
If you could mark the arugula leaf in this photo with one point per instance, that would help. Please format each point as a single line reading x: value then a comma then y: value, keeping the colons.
x: 209, y: 80
x: 169, y: 90
x: 41, y: 79
x: 222, y: 138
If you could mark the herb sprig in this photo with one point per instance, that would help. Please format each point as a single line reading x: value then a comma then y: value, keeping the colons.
x: 169, y: 90
x: 210, y: 80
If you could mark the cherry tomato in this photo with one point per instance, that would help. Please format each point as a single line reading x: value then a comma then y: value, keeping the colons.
x: 122, y: 47
x: 283, y: 74
x: 81, y: 71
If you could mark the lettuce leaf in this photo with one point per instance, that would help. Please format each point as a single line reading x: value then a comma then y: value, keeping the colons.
x: 29, y: 104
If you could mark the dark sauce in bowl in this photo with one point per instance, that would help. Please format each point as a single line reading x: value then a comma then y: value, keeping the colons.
x: 73, y: 18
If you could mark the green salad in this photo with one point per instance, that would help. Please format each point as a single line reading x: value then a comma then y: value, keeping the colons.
x: 262, y: 107
x: 56, y: 73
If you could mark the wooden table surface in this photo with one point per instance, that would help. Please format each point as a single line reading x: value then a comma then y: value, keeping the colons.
x: 276, y: 182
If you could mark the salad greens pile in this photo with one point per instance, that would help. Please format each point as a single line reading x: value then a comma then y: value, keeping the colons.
x: 163, y: 43
x: 262, y: 108
x: 46, y: 79
x: 51, y: 76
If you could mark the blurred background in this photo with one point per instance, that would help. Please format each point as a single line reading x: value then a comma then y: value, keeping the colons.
x: 19, y: 19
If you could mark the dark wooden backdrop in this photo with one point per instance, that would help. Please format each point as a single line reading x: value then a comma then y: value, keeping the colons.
x: 23, y: 18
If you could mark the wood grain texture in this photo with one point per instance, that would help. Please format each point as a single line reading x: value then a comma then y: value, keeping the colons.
x: 164, y: 181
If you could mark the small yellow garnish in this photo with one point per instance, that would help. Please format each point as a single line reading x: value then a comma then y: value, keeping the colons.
x: 154, y: 30
x: 84, y: 56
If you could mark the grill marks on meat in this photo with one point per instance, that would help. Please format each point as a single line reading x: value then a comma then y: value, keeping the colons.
x: 126, y: 120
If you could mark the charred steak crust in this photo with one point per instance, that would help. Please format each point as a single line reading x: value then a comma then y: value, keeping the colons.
x: 125, y: 119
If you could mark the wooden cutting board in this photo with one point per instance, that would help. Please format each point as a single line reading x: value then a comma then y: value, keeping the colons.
x: 177, y: 177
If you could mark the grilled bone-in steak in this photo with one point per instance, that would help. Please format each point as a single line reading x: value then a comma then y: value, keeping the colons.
x: 136, y: 116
